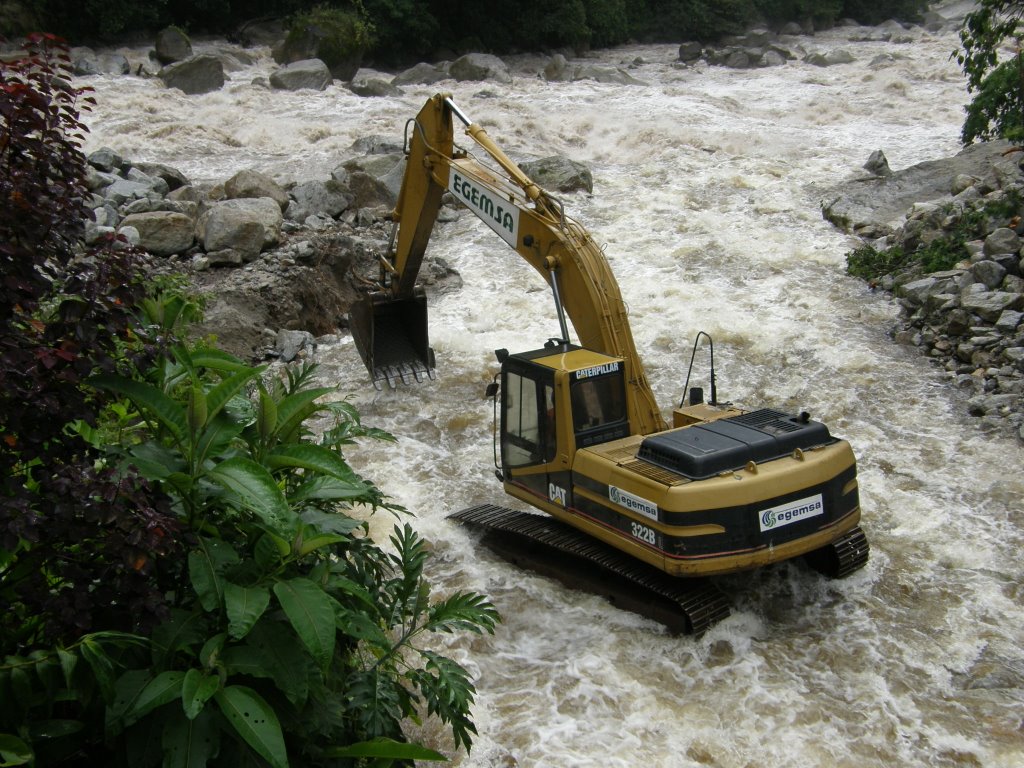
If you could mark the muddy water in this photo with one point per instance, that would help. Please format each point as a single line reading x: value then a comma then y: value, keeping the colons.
x: 707, y: 195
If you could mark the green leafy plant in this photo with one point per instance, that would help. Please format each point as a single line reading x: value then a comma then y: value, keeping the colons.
x: 295, y: 634
x: 995, y: 80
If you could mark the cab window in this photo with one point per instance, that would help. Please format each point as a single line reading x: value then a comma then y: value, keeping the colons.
x: 597, y: 402
x: 528, y: 418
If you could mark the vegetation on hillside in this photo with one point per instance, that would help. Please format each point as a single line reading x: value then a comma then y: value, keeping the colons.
x: 408, y: 30
x: 185, y: 566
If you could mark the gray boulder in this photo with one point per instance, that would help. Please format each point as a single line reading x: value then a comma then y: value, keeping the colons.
x: 311, y: 74
x: 560, y: 174
x: 421, y: 74
x: 162, y: 233
x: 603, y: 74
x: 989, y: 305
x: 830, y: 58
x: 557, y: 70
x: 878, y: 164
x: 106, y: 160
x: 690, y: 51
x: 85, y: 61
x: 249, y: 184
x: 370, y: 192
x: 174, y: 178
x: 480, y: 66
x: 318, y: 197
x: 370, y: 84
x: 246, y: 225
x: 199, y: 74
x: 171, y: 45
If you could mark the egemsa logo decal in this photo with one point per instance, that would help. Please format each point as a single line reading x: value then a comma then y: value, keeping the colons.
x: 791, y: 512
x: 633, y: 503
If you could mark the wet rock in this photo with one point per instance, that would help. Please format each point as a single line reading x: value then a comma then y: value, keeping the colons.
x: 246, y: 225
x: 877, y: 164
x: 604, y: 74
x: 162, y: 233
x: 174, y: 178
x: 478, y: 67
x: 370, y: 85
x: 316, y: 197
x: 690, y: 51
x: 560, y: 174
x: 421, y: 74
x: 830, y: 58
x: 85, y: 61
x: 171, y: 45
x: 106, y: 160
x: 311, y: 74
x: 1002, y: 240
x: 989, y: 305
x: 557, y: 69
x: 199, y: 74
x: 250, y: 183
x: 370, y: 192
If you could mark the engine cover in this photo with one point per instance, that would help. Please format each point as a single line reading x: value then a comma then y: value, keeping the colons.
x: 705, y: 450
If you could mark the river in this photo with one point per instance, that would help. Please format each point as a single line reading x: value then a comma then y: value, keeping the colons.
x: 706, y: 194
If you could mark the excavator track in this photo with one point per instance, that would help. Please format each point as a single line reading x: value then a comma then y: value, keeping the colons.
x: 548, y: 546
x: 843, y: 556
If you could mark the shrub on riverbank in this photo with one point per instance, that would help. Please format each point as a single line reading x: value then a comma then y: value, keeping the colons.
x: 185, y: 566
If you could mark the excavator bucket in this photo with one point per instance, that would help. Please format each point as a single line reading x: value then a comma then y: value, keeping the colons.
x: 391, y: 336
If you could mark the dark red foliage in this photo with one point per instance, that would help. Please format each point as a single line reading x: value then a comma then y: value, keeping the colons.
x: 81, y: 548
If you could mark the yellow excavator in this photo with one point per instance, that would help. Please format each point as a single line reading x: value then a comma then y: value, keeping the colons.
x: 581, y: 436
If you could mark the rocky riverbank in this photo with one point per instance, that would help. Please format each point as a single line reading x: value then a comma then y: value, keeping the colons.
x: 967, y: 319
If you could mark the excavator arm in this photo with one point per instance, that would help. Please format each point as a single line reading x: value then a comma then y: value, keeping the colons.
x: 389, y: 325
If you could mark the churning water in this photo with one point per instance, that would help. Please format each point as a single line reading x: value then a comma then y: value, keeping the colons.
x: 706, y: 193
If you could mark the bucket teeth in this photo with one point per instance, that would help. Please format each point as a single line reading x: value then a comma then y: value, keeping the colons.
x: 391, y: 337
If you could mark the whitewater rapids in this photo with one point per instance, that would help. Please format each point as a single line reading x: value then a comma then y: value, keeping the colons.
x: 706, y: 194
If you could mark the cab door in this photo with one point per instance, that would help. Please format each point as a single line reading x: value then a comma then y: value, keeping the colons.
x: 528, y: 438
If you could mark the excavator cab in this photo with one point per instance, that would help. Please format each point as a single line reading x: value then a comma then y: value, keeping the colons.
x: 553, y: 401
x: 391, y: 337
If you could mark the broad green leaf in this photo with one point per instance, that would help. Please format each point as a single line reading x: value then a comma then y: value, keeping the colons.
x: 255, y: 722
x: 331, y: 522
x: 360, y: 626
x: 151, y: 401
x: 160, y: 690
x: 14, y: 751
x: 196, y: 409
x: 40, y: 730
x: 266, y: 416
x: 182, y: 630
x: 312, y: 458
x: 325, y: 488
x: 311, y: 613
x: 244, y: 606
x: 216, y: 360
x: 197, y: 688
x: 294, y: 409
x: 255, y: 490
x: 211, y: 650
x: 271, y: 650
x: 215, y: 440
x: 387, y: 749
x: 101, y: 665
x: 206, y: 566
x: 156, y: 461
x: 312, y: 541
x: 269, y: 551
x: 68, y: 662
x: 127, y: 690
x: 190, y: 743
x: 221, y: 394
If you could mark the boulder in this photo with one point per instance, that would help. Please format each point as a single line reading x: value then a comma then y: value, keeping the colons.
x: 877, y: 164
x: 830, y: 58
x: 690, y: 51
x: 480, y: 66
x: 310, y: 74
x: 171, y: 45
x: 318, y: 197
x: 560, y: 174
x: 421, y: 74
x: 245, y: 225
x: 174, y: 178
x: 315, y: 41
x: 162, y: 233
x: 106, y: 160
x: 370, y: 192
x: 603, y: 74
x: 373, y: 85
x: 557, y: 70
x: 248, y: 184
x: 989, y: 305
x: 199, y: 74
x: 85, y: 61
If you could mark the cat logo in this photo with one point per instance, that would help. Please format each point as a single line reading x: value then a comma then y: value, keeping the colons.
x: 556, y: 494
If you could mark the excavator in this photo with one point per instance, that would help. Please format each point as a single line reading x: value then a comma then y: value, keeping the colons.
x: 638, y: 509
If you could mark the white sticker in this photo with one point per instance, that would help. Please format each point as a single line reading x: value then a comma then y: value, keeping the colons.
x: 791, y: 512
x: 633, y: 503
x: 493, y: 209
